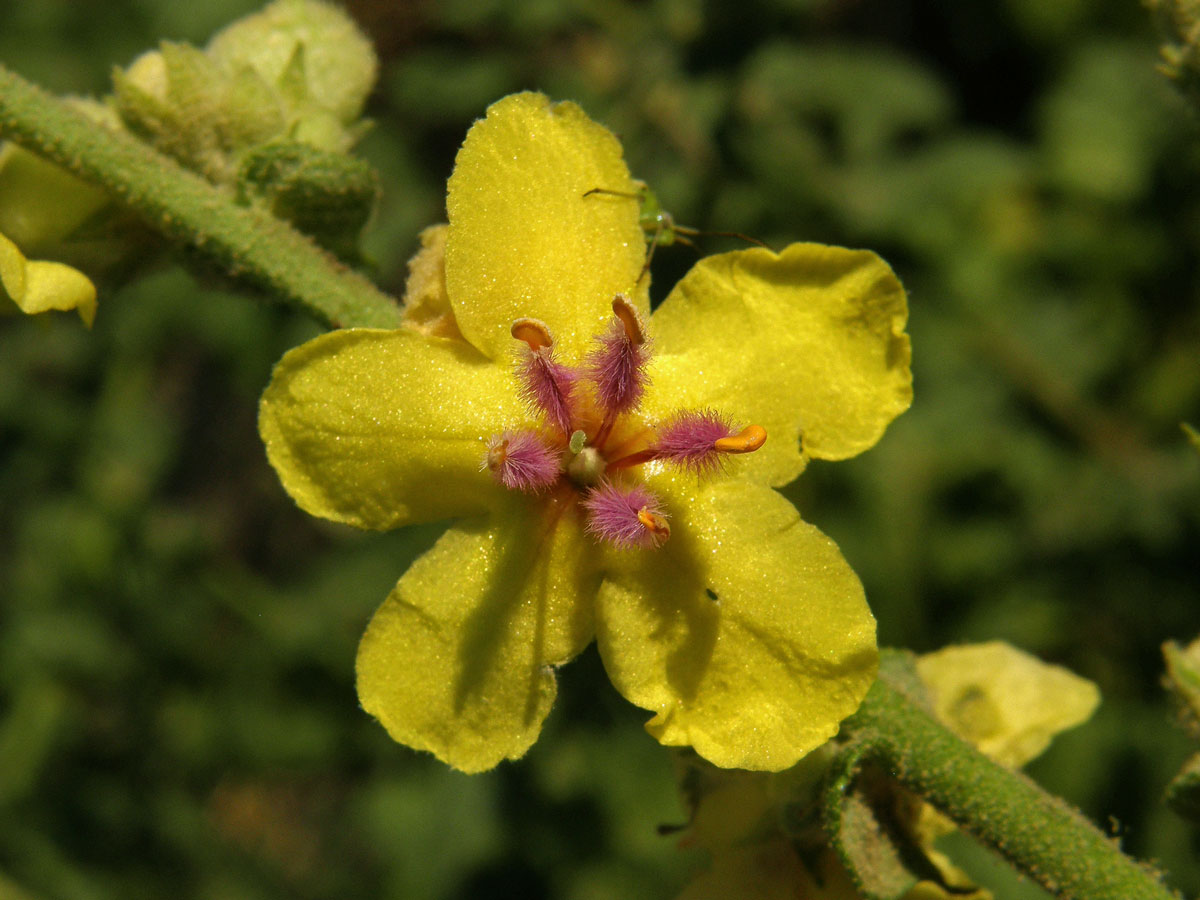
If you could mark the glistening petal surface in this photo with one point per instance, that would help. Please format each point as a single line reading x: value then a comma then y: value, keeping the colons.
x: 458, y: 659
x: 809, y: 342
x: 523, y: 238
x: 747, y: 633
x: 381, y: 428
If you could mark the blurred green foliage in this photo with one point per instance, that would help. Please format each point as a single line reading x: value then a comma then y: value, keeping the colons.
x: 177, y: 712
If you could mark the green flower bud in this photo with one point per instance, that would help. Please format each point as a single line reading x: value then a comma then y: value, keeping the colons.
x: 189, y: 108
x: 329, y: 196
x: 339, y: 63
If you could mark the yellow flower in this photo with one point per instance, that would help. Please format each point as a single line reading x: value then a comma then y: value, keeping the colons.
x: 1006, y: 702
x: 36, y: 286
x: 763, y: 831
x: 585, y: 448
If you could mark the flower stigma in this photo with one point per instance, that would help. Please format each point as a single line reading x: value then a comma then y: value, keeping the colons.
x: 590, y: 440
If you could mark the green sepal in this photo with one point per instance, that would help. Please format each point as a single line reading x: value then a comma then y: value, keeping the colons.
x: 189, y: 108
x: 293, y: 81
x: 252, y: 112
x: 170, y: 98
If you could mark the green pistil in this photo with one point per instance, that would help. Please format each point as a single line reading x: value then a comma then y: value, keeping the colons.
x: 587, y: 466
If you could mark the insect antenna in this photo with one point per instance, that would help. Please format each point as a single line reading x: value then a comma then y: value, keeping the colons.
x: 660, y: 226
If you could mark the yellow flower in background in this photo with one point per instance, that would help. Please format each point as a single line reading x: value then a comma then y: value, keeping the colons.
x: 37, y: 286
x: 611, y: 472
x: 1006, y: 702
x: 763, y: 831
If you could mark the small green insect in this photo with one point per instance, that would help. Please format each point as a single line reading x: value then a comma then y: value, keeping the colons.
x: 660, y: 226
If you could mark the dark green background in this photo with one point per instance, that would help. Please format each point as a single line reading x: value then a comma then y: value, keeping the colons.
x: 177, y: 713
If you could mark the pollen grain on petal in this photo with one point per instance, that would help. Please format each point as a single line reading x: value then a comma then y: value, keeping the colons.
x: 626, y: 517
x: 522, y: 461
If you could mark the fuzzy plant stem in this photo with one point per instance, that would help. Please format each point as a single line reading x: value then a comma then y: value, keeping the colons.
x: 245, y: 241
x: 1039, y: 834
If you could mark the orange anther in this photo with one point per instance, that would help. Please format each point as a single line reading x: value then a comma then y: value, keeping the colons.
x: 533, y: 332
x: 655, y: 524
x: 497, y: 455
x: 624, y: 310
x: 747, y: 441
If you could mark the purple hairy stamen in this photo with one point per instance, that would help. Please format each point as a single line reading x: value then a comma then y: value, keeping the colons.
x: 521, y: 461
x: 625, y: 516
x: 689, y: 439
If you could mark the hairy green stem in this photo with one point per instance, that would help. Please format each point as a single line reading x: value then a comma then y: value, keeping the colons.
x: 245, y: 241
x: 1041, y: 835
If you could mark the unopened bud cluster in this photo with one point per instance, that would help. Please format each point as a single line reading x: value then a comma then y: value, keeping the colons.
x: 269, y: 109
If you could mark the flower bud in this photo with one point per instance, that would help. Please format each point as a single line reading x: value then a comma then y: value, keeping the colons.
x: 187, y: 107
x: 339, y: 63
x: 329, y: 196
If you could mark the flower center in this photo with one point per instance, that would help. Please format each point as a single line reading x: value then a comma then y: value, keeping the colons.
x: 590, y: 439
x: 586, y: 467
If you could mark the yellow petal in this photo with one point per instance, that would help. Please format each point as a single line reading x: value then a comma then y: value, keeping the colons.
x: 458, y: 659
x: 807, y: 343
x: 1006, y: 702
x: 381, y: 428
x: 525, y: 241
x: 746, y: 633
x: 37, y: 286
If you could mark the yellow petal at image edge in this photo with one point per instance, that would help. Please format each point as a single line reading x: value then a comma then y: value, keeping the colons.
x: 380, y: 428
x: 524, y: 241
x: 747, y: 633
x: 458, y: 660
x: 38, y: 286
x: 808, y: 343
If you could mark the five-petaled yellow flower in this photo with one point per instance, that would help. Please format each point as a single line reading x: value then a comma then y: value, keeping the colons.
x: 611, y: 472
